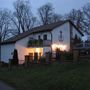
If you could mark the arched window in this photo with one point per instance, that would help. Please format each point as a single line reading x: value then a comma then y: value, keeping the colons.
x: 39, y: 37
x: 45, y: 37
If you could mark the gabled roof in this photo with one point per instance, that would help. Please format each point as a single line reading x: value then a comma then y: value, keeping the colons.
x: 43, y: 28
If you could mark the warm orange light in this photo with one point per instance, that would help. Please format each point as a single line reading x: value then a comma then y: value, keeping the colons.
x: 60, y: 46
x: 37, y: 50
x: 33, y: 50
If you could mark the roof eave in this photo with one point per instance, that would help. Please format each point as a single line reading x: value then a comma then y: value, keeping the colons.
x: 12, y: 42
x: 76, y: 28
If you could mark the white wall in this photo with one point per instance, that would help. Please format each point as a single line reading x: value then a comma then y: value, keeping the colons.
x: 65, y: 35
x: 6, y: 52
x: 75, y: 32
x: 22, y: 48
x: 88, y: 37
x: 21, y: 45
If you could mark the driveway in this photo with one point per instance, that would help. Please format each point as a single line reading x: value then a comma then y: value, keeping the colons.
x: 4, y: 86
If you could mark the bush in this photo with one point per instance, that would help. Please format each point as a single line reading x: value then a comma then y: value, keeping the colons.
x: 48, y: 57
x: 68, y: 56
x: 58, y: 55
x: 15, y: 58
x: 42, y: 60
x: 27, y: 61
x: 3, y: 64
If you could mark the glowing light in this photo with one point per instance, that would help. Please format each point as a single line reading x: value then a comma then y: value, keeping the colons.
x: 33, y: 50
x: 37, y: 50
x: 60, y: 46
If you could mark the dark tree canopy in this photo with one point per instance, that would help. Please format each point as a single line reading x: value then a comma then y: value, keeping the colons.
x: 22, y: 16
x: 86, y: 12
x: 15, y: 57
x: 77, y: 17
x: 21, y: 19
x: 4, y: 23
x: 47, y: 15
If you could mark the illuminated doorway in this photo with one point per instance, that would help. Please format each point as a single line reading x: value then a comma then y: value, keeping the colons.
x: 35, y: 53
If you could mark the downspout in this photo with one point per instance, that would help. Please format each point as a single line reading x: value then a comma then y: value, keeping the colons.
x: 51, y: 40
x: 71, y: 32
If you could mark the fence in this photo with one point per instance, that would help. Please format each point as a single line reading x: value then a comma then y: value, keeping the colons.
x: 81, y: 54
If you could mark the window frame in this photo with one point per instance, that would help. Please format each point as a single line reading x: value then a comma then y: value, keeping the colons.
x: 45, y: 37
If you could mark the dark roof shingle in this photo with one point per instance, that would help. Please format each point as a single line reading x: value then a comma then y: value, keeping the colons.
x: 38, y: 29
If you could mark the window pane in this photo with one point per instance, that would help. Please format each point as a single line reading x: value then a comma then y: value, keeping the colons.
x: 39, y: 37
x: 45, y: 37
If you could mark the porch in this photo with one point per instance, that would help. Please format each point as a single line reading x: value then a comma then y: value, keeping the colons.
x: 33, y: 53
x: 38, y: 43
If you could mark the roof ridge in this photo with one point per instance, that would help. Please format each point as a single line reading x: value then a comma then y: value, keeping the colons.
x: 42, y: 28
x: 32, y: 29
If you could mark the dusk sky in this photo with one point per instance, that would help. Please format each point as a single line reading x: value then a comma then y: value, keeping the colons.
x: 61, y: 6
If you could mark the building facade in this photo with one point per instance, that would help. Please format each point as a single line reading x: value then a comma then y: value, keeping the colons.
x: 40, y: 40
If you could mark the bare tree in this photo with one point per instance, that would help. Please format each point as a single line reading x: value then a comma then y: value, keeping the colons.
x: 22, y: 16
x: 77, y: 17
x: 55, y: 18
x: 4, y: 24
x: 86, y: 11
x: 47, y: 15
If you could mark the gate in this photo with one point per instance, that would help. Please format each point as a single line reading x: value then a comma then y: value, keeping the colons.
x: 84, y: 54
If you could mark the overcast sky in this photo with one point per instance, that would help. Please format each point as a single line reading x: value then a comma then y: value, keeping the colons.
x: 61, y: 6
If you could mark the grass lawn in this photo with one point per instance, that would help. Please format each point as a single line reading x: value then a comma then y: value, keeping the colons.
x: 52, y: 77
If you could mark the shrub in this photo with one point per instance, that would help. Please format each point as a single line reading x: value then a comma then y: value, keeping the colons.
x: 3, y: 64
x: 58, y: 54
x: 27, y: 62
x: 42, y: 60
x: 68, y: 56
x: 63, y: 55
x: 15, y: 58
x: 48, y: 57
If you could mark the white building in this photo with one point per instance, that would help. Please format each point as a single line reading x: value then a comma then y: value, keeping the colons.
x: 52, y: 36
x: 87, y: 35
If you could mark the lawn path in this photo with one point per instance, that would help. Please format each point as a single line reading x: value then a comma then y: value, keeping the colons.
x: 4, y: 86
